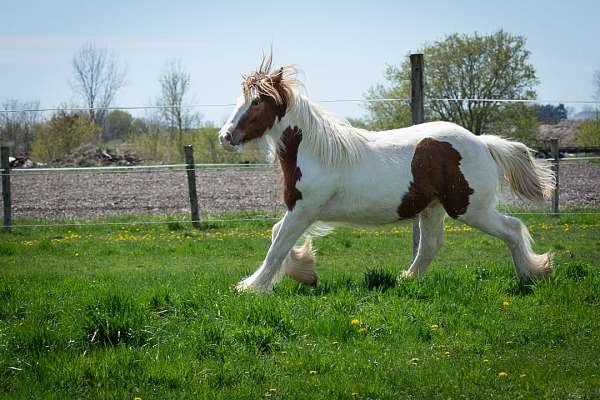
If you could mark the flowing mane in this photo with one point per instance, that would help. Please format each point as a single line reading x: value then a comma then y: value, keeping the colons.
x: 333, y: 140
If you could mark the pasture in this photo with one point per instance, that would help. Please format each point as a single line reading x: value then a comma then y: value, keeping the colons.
x: 149, y: 311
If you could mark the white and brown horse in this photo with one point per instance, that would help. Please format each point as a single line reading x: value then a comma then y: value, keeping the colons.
x: 334, y: 173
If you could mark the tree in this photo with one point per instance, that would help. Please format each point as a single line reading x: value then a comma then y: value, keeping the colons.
x: 17, y: 129
x: 97, y: 77
x: 517, y: 121
x: 118, y: 124
x: 495, y: 66
x: 175, y: 85
x: 62, y: 134
x: 589, y: 132
x: 597, y: 85
x: 549, y: 114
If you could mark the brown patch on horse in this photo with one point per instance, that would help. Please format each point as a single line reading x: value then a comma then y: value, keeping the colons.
x: 436, y: 176
x: 271, y: 94
x: 258, y: 119
x: 287, y: 153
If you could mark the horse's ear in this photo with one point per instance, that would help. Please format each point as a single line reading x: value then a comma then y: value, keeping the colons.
x: 277, y: 76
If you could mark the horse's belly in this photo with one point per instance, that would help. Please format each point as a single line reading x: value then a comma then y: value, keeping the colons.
x: 363, y: 208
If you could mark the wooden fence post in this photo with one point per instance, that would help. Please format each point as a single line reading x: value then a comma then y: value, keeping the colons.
x: 6, y: 198
x: 418, y: 117
x: 191, y: 178
x: 554, y: 147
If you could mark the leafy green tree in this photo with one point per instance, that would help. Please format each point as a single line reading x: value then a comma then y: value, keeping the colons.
x: 550, y: 114
x: 589, y: 132
x: 62, y: 134
x: 117, y: 125
x: 494, y: 66
x: 517, y: 121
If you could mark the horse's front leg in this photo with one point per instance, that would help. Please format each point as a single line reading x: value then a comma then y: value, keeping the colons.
x: 293, y: 225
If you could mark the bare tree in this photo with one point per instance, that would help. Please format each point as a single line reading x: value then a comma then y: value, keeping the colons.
x: 17, y: 128
x: 97, y: 77
x: 597, y: 85
x: 175, y: 85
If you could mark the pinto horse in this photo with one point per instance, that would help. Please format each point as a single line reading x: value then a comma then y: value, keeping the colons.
x: 334, y: 173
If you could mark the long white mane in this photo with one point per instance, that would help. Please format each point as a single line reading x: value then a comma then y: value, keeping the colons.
x: 331, y: 139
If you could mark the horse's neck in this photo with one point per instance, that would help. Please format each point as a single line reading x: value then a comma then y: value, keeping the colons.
x: 326, y: 138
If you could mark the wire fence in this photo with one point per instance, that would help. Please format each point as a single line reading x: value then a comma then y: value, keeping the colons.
x: 188, y: 167
x: 274, y: 212
x: 324, y: 101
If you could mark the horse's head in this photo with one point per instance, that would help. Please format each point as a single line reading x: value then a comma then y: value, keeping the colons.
x: 265, y: 99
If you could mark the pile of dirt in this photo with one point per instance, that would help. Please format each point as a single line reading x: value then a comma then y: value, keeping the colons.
x: 89, y: 155
x: 565, y: 131
x: 23, y: 162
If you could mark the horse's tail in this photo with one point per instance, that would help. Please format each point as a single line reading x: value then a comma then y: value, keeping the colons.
x: 529, y: 178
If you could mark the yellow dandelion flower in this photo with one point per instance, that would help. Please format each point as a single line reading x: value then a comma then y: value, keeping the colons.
x: 76, y: 254
x: 435, y: 326
x: 362, y: 330
x: 354, y: 322
x: 502, y: 374
x: 312, y: 372
x: 415, y: 360
x: 137, y: 398
x: 335, y: 343
x: 523, y: 376
x: 486, y: 360
x: 446, y: 353
x: 272, y: 390
x: 354, y: 394
x: 505, y: 303
x: 284, y: 353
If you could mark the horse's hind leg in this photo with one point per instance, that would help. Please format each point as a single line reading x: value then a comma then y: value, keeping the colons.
x: 516, y: 235
x: 299, y: 264
x: 431, y: 226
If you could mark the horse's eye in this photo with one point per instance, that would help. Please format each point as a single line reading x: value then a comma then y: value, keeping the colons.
x: 256, y: 101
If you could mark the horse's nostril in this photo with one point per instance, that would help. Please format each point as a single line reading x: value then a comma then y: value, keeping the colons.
x: 228, y: 137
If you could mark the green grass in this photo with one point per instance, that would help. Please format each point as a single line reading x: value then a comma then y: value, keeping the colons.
x: 149, y: 311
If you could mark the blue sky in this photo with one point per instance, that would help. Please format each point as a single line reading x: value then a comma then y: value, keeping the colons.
x: 342, y: 47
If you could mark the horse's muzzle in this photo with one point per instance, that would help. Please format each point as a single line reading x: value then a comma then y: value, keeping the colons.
x: 227, y: 141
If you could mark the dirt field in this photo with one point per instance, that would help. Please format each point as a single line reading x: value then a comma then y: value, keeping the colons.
x: 59, y: 195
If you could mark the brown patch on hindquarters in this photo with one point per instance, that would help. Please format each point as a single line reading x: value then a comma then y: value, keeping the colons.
x: 287, y: 153
x: 436, y: 176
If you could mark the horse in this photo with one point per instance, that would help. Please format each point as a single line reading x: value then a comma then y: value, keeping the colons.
x: 336, y: 174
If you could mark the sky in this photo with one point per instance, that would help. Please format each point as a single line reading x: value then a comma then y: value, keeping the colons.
x: 341, y: 47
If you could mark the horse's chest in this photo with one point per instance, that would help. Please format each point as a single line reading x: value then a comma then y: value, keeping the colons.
x: 287, y: 154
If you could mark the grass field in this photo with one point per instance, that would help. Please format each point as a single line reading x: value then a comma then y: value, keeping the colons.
x: 150, y: 312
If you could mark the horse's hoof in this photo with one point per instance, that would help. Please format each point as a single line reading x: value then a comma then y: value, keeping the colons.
x: 248, y: 287
x: 407, y: 275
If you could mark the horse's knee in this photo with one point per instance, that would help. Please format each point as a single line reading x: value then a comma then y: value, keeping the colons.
x: 275, y: 230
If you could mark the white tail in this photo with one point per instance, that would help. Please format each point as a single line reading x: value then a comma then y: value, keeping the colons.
x: 528, y: 177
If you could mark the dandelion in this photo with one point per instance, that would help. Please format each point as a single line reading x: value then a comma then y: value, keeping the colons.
x: 502, y: 374
x: 446, y: 353
x: 137, y: 398
x: 335, y: 343
x: 312, y: 372
x: 283, y: 353
x: 354, y: 322
x: 435, y: 326
x: 76, y: 254
x: 523, y: 376
x: 485, y: 360
x: 505, y: 303
x: 272, y: 390
x: 354, y: 394
x: 415, y: 360
x: 362, y: 330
